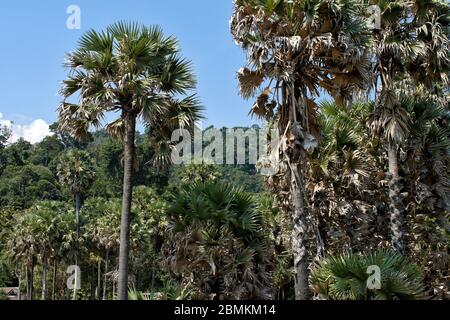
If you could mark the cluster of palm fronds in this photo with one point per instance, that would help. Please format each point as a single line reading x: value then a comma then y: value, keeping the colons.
x: 349, y: 193
x: 355, y: 173
x: 170, y: 291
x: 217, y: 243
x: 381, y: 275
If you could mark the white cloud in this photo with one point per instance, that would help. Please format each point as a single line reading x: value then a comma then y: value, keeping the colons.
x: 4, y: 122
x: 33, y: 132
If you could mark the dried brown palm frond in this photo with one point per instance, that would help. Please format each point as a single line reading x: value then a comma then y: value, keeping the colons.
x: 391, y: 119
x: 249, y: 82
x: 116, y: 129
x: 263, y: 108
x: 355, y: 164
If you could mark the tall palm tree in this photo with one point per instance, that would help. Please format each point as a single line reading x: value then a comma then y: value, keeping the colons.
x: 295, y: 49
x: 137, y: 72
x: 76, y: 172
x: 410, y: 43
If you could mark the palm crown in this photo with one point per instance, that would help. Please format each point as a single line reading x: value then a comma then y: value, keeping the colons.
x: 76, y: 171
x: 128, y: 68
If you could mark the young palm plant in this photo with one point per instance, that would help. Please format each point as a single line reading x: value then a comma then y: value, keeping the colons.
x: 295, y: 49
x: 348, y: 277
x: 136, y: 72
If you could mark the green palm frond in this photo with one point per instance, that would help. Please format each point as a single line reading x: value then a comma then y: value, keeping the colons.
x: 218, y: 237
x: 177, y: 76
x: 345, y: 277
x: 126, y: 68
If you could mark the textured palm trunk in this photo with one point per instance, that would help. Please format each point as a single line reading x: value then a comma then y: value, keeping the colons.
x: 93, y: 283
x: 299, y: 237
x: 74, y: 294
x: 154, y: 264
x: 27, y: 282
x: 105, y: 280
x: 44, y: 282
x: 77, y: 253
x: 99, y: 280
x: 54, y: 281
x: 298, y: 121
x: 396, y: 206
x: 130, y: 132
x: 30, y: 277
x: 77, y: 212
x: 20, y: 286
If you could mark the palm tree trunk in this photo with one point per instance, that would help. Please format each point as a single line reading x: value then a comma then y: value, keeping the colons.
x: 31, y: 281
x: 93, y: 284
x: 154, y: 263
x: 44, y: 282
x: 105, y: 280
x: 298, y: 117
x: 27, y: 282
x: 77, y: 214
x: 299, y: 237
x: 74, y: 295
x: 396, y: 206
x: 99, y: 280
x: 129, y: 150
x: 19, y: 278
x: 54, y: 280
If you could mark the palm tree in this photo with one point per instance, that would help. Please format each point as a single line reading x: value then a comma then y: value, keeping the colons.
x: 217, y: 242
x: 23, y: 248
x: 342, y: 177
x: 36, y: 237
x: 411, y: 42
x: 65, y: 240
x: 103, y: 229
x: 429, y: 144
x: 135, y: 71
x: 295, y: 49
x: 76, y: 172
x: 48, y: 216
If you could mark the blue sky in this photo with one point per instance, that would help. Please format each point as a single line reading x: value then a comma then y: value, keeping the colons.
x: 35, y: 38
